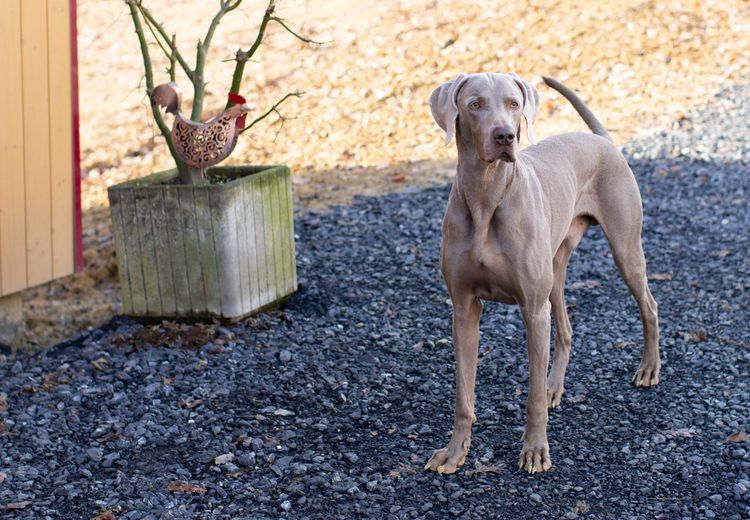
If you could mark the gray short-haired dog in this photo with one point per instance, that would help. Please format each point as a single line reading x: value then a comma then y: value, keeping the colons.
x: 513, y: 219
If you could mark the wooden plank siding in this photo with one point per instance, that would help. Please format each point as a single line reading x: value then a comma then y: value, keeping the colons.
x: 12, y: 207
x: 61, y: 149
x: 37, y: 189
x: 39, y: 209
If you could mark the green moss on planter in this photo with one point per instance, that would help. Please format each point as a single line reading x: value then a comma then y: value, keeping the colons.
x: 216, y: 250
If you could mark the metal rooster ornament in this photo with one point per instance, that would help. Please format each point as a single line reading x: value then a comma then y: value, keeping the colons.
x: 197, y: 144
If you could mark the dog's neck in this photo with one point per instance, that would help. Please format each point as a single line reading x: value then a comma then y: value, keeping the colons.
x: 482, y: 187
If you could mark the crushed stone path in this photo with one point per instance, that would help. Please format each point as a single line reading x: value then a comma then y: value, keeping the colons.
x: 330, y: 407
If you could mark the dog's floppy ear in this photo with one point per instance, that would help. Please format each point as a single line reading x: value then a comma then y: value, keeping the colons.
x: 443, y: 105
x: 531, y: 101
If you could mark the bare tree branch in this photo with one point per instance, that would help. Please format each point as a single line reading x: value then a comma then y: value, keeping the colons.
x: 281, y: 126
x: 241, y: 57
x: 151, y: 21
x: 199, y: 84
x: 229, y: 4
x: 163, y: 128
x: 172, y: 59
x: 157, y: 40
x: 272, y: 110
x: 290, y: 31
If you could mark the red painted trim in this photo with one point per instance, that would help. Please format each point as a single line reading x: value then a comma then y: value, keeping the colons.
x: 78, y: 237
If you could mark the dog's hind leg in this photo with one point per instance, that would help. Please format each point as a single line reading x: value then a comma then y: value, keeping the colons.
x: 563, y: 330
x: 621, y: 224
x: 632, y: 265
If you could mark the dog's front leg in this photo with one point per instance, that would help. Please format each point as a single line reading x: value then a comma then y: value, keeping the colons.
x: 466, y: 313
x: 535, y: 453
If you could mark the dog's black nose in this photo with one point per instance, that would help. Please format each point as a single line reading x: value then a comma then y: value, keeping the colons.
x: 503, y: 136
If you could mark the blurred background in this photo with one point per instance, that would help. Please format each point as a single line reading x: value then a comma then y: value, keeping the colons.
x: 363, y: 126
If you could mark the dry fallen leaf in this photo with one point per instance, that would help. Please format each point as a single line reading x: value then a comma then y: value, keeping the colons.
x: 681, y: 432
x: 178, y: 486
x: 17, y: 505
x: 623, y: 344
x: 398, y: 178
x: 169, y: 335
x: 52, y: 379
x: 734, y: 342
x: 100, y: 363
x: 106, y: 515
x: 586, y: 284
x: 3, y: 476
x: 223, y: 459
x: 3, y: 403
x: 191, y: 404
x: 283, y: 412
x: 403, y: 469
x: 660, y: 277
x: 418, y: 347
x: 481, y: 468
x: 581, y: 507
x: 695, y: 337
x: 740, y: 436
x: 109, y: 437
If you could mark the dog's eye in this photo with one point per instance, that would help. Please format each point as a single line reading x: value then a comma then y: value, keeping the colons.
x: 514, y: 104
x: 474, y: 105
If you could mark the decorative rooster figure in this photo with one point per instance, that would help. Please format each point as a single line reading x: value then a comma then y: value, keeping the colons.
x: 201, y: 145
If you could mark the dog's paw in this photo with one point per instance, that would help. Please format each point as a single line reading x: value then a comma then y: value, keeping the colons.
x: 535, y: 458
x: 647, y: 375
x: 448, y: 460
x: 445, y: 462
x: 554, y: 395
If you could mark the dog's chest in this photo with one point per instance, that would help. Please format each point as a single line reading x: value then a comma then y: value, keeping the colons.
x: 481, y: 265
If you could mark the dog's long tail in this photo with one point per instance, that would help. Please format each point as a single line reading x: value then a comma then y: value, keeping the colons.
x: 586, y: 114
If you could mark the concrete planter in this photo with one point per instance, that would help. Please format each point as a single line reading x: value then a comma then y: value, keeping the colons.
x: 211, y: 251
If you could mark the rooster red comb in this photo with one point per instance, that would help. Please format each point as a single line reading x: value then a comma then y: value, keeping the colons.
x: 236, y: 99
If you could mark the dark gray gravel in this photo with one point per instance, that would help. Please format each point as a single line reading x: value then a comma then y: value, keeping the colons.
x: 330, y: 407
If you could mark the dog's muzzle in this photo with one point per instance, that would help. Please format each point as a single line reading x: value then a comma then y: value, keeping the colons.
x: 501, y: 145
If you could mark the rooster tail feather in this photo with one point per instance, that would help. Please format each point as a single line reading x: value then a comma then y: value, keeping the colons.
x: 167, y: 95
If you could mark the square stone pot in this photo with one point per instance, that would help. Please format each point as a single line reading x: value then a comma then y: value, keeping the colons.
x: 223, y: 250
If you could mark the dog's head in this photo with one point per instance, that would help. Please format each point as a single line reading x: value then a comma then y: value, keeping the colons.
x: 486, y: 110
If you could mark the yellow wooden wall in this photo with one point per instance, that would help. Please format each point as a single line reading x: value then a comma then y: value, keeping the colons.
x: 37, y: 198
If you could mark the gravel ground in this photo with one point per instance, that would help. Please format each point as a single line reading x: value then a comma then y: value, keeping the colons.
x: 330, y: 407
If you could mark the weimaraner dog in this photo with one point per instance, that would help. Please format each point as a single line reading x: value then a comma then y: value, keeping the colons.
x: 512, y: 222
